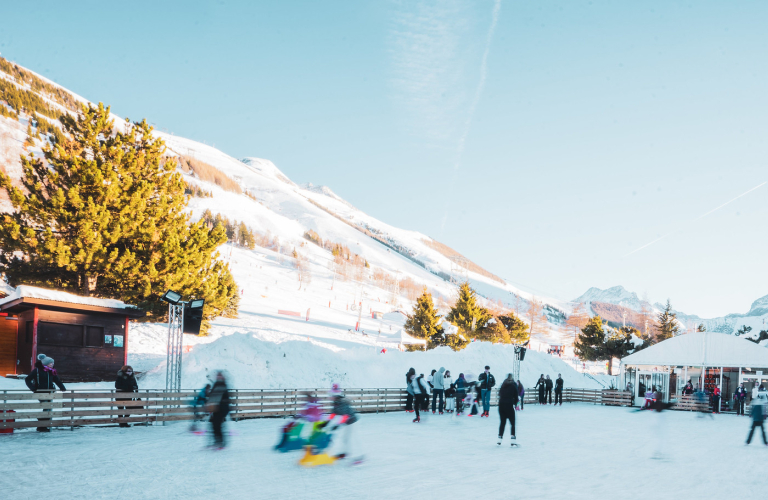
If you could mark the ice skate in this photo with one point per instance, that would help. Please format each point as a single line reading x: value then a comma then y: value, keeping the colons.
x: 416, y: 420
x: 498, y: 442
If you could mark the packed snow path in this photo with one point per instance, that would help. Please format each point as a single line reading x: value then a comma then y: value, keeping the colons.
x: 574, y: 451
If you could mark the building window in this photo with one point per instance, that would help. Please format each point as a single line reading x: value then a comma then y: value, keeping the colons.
x: 60, y: 334
x: 94, y: 336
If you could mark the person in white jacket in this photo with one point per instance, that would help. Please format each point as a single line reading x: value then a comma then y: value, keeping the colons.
x: 437, y: 391
x: 420, y: 393
x: 450, y: 392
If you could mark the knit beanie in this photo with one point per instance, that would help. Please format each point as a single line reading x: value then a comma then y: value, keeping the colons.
x: 41, y: 357
x: 47, y: 361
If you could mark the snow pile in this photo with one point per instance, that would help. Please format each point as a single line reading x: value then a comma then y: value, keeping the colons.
x: 34, y: 292
x: 256, y: 363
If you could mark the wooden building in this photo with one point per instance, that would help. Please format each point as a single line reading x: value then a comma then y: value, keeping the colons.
x: 87, y: 337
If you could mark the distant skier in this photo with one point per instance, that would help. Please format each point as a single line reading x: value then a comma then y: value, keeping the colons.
x: 541, y: 386
x: 409, y: 390
x: 125, y: 382
x: 758, y: 416
x: 487, y: 382
x: 521, y: 394
x: 450, y: 392
x: 218, y: 407
x: 44, y: 379
x: 508, y: 398
x: 437, y: 391
x: 548, y: 385
x: 559, y: 389
x: 739, y: 398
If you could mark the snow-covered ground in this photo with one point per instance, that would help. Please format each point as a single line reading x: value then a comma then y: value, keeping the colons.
x: 576, y: 451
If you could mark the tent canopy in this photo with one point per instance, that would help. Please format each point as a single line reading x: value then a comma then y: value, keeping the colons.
x: 701, y: 349
x: 407, y: 339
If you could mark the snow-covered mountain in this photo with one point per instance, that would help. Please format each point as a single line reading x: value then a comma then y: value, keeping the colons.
x: 617, y: 295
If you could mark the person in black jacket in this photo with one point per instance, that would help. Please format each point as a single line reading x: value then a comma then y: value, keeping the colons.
x: 739, y: 397
x: 44, y: 379
x: 409, y: 396
x: 559, y: 389
x: 125, y: 382
x: 548, y: 396
x: 507, y: 400
x: 541, y: 386
x: 487, y: 381
x: 218, y: 407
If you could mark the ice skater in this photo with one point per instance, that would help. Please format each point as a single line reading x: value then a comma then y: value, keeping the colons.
x: 438, y: 389
x: 541, y: 386
x: 559, y: 389
x: 344, y: 416
x: 409, y: 398
x: 548, y: 386
x: 758, y: 416
x: 218, y: 407
x: 420, y: 392
x: 125, y: 382
x: 739, y: 398
x: 520, y: 394
x: 450, y: 392
x: 461, y: 392
x: 487, y: 382
x: 44, y: 379
x: 507, y: 401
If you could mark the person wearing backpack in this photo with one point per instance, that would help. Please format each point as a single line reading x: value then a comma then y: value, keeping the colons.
x: 420, y: 392
x: 44, y: 379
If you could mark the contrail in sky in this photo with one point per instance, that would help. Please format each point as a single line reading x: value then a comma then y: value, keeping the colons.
x: 699, y: 217
x: 475, y: 101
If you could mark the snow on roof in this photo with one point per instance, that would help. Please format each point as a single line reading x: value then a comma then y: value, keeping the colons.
x: 701, y: 349
x: 5, y: 289
x: 33, y: 292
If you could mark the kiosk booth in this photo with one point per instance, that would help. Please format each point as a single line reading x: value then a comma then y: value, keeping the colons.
x: 707, y: 359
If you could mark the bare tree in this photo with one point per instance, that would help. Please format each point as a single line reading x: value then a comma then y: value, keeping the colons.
x: 535, y: 315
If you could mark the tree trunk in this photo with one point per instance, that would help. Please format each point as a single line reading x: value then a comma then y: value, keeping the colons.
x: 87, y: 283
x: 610, y: 365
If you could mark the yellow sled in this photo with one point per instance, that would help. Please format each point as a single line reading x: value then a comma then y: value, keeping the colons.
x: 310, y: 460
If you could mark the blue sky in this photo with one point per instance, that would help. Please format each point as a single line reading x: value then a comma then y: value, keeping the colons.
x: 544, y: 140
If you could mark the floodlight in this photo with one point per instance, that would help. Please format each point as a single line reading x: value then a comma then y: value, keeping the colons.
x: 171, y: 297
x: 197, y: 304
x: 193, y: 316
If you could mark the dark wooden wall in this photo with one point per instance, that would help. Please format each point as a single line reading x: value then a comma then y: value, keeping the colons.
x: 84, y: 364
x: 8, y: 345
x: 24, y: 344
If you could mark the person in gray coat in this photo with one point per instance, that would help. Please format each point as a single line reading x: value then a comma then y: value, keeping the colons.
x: 437, y: 390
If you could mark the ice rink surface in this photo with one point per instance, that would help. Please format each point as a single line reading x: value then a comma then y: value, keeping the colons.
x: 571, y: 452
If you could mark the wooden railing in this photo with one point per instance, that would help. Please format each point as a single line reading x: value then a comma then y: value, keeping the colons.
x: 20, y: 409
x: 692, y: 403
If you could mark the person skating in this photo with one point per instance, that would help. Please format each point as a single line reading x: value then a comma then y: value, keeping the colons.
x: 420, y: 392
x: 688, y: 389
x: 198, y: 406
x: 739, y: 398
x: 548, y: 385
x: 461, y: 393
x: 450, y: 392
x: 521, y: 394
x: 541, y: 386
x: 218, y: 407
x: 437, y: 391
x: 409, y: 390
x: 125, y: 382
x: 44, y: 379
x: 508, y: 398
x: 758, y: 416
x: 487, y: 382
x: 429, y: 379
x: 559, y: 389
x: 345, y: 415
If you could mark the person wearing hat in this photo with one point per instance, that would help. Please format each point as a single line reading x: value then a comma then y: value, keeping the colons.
x: 44, y: 379
x: 125, y: 382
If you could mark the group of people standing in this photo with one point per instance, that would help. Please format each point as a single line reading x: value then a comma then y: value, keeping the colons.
x: 545, y: 385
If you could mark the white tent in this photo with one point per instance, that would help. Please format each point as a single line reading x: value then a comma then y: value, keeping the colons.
x: 701, y: 349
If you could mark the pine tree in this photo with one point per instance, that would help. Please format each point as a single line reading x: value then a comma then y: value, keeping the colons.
x: 667, y: 326
x: 618, y: 343
x: 589, y: 342
x: 467, y: 314
x: 105, y: 216
x: 495, y: 332
x: 517, y: 328
x: 424, y: 323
